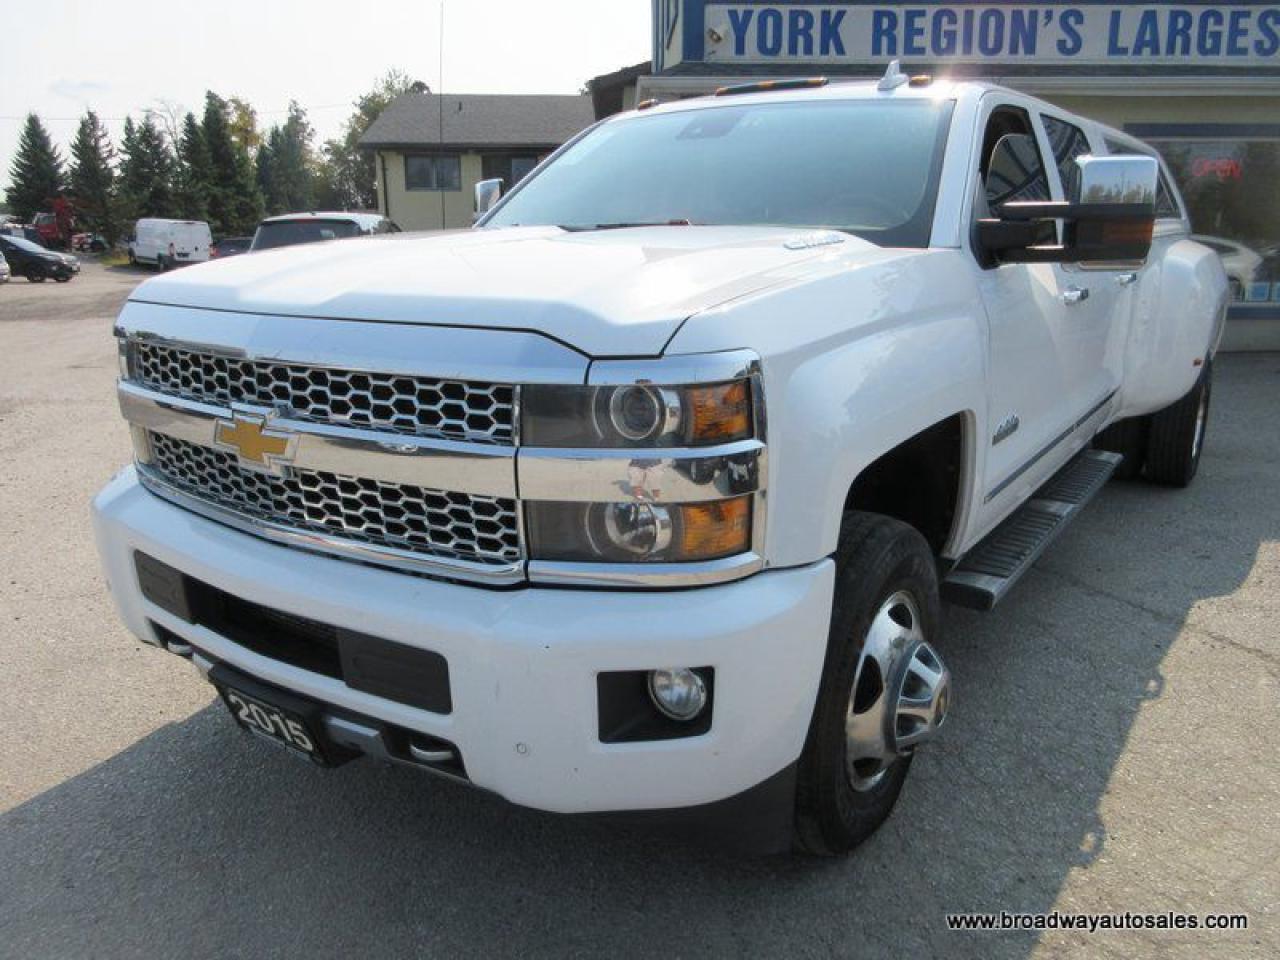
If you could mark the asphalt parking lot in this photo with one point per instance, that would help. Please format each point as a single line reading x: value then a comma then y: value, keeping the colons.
x: 1113, y: 748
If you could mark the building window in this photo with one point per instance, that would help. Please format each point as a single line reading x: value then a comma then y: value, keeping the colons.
x: 508, y: 168
x: 426, y: 172
x: 1229, y: 177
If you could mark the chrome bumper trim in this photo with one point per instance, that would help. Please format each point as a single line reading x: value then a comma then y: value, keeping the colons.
x: 456, y: 466
x: 488, y: 574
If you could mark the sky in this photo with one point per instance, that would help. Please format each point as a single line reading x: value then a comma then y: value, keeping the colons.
x: 120, y: 58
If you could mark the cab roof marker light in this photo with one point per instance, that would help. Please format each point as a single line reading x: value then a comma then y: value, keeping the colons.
x: 766, y: 85
x: 893, y: 78
x: 646, y: 104
x: 921, y: 80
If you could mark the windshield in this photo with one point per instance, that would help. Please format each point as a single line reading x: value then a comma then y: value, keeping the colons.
x: 26, y: 245
x: 863, y: 166
x: 284, y: 233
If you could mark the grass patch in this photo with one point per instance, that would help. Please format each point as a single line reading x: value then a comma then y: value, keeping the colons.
x: 114, y: 258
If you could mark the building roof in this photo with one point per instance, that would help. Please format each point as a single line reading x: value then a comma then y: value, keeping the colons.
x: 606, y: 89
x: 479, y: 120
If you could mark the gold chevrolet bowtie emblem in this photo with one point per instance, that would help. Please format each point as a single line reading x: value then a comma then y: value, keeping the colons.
x: 255, y: 443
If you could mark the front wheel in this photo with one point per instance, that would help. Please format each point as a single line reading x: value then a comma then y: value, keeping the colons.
x: 884, y: 689
x: 1176, y: 438
x: 35, y: 276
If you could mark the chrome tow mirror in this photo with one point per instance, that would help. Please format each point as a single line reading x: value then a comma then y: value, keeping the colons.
x: 1108, y: 218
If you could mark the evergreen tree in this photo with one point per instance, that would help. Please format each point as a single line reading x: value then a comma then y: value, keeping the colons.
x: 93, y: 178
x: 195, y: 172
x: 286, y: 165
x: 235, y: 202
x: 146, y: 170
x: 265, y: 172
x: 36, y: 175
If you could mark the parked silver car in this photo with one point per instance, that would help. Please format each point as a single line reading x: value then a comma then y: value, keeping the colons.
x: 4, y: 269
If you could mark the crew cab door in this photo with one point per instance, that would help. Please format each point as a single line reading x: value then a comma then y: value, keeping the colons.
x: 1098, y: 296
x: 1047, y: 335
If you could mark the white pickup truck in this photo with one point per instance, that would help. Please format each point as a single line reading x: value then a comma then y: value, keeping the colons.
x: 645, y: 494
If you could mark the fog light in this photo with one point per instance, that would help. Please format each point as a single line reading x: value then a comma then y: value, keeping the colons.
x: 678, y: 692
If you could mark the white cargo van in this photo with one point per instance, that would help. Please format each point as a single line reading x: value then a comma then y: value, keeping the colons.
x: 169, y: 243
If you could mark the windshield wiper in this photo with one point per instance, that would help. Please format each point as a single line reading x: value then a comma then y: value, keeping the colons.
x: 579, y: 228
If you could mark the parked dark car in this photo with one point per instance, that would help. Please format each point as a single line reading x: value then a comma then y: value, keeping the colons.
x: 36, y: 263
x: 293, y: 228
x: 229, y: 247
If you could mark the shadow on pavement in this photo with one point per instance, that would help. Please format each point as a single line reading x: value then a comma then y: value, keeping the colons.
x: 198, y: 841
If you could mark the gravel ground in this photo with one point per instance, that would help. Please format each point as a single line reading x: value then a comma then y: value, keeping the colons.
x: 1112, y: 748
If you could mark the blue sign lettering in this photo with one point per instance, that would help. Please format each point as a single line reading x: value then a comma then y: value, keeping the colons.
x: 1178, y: 40
x: 800, y: 33
x: 1269, y: 27
x: 884, y: 33
x: 1069, y: 22
x: 832, y: 42
x: 1019, y: 30
x: 1209, y: 39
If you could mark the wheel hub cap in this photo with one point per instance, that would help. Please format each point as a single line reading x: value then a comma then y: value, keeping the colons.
x: 901, y: 693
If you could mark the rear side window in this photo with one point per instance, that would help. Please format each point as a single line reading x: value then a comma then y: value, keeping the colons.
x: 1067, y: 141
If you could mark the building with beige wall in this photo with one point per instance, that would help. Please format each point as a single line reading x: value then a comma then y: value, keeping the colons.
x: 431, y: 150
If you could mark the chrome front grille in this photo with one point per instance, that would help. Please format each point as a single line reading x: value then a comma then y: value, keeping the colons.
x: 425, y: 406
x: 459, y: 526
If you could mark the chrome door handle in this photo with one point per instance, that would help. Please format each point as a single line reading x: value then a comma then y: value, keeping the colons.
x: 1125, y: 279
x: 1073, y: 295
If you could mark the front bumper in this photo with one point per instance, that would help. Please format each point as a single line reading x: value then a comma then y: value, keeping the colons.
x: 522, y: 663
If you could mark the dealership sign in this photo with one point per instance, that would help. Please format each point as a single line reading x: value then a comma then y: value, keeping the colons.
x: 855, y: 31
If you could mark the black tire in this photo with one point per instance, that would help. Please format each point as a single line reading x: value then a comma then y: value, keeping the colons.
x: 1177, y: 435
x: 62, y: 279
x: 876, y: 557
x: 35, y: 276
x: 1127, y: 437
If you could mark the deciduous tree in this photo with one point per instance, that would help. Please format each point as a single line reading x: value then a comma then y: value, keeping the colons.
x: 350, y: 179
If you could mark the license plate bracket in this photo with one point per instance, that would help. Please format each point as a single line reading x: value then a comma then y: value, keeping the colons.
x: 283, y: 718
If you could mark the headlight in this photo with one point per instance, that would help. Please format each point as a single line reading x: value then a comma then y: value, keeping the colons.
x: 651, y: 473
x: 635, y: 415
x: 640, y: 532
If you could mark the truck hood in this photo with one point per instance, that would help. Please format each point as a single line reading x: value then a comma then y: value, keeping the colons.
x: 606, y: 292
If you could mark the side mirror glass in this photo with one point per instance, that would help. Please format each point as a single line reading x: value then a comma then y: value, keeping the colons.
x: 1015, y: 172
x: 488, y: 193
